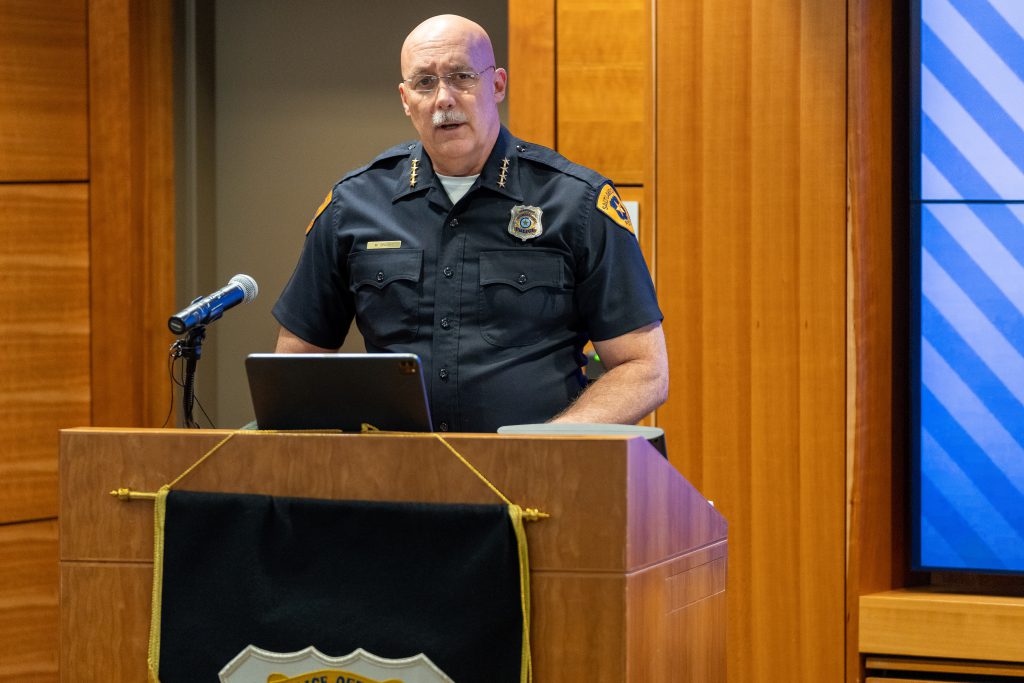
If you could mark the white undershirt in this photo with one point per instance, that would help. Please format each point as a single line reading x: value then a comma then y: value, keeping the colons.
x: 457, y: 186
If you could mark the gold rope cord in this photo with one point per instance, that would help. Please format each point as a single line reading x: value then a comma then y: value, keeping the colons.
x: 515, y: 513
x: 529, y: 514
x: 159, y: 515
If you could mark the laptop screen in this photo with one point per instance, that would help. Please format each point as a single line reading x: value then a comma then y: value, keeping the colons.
x: 338, y: 391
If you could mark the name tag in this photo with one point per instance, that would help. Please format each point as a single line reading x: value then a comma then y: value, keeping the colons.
x: 393, y: 244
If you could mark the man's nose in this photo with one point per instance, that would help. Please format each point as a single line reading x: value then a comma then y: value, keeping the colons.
x: 445, y: 95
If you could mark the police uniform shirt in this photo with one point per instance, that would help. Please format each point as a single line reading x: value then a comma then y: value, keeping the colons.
x: 497, y: 294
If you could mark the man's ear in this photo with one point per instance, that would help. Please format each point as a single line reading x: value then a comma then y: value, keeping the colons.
x: 405, y: 101
x: 500, y: 84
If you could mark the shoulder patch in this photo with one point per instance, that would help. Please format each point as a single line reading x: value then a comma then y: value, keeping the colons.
x: 610, y: 204
x: 327, y: 200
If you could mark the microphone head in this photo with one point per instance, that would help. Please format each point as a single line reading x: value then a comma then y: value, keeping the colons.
x: 249, y: 287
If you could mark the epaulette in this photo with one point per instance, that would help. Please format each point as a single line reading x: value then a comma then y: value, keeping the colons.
x: 400, y: 150
x: 552, y: 159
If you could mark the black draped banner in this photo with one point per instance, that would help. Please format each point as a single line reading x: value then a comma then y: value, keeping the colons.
x: 283, y: 574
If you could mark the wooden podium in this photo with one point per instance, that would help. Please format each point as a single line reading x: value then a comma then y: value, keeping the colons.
x: 628, y: 574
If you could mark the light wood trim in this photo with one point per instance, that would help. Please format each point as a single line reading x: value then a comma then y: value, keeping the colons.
x: 43, y: 112
x: 952, y: 666
x: 603, y: 65
x: 924, y: 623
x: 531, y: 67
x: 131, y: 212
x: 44, y: 305
x: 751, y: 210
x: 28, y: 602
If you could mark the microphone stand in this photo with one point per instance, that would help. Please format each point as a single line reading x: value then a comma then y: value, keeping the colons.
x: 191, y: 349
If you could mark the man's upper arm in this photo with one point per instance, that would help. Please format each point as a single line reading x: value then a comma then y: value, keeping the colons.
x: 646, y: 344
x: 289, y: 343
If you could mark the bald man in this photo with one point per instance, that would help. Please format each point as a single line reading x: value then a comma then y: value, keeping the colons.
x: 493, y: 259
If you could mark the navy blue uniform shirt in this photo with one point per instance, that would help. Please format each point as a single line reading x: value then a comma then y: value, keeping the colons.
x: 495, y: 296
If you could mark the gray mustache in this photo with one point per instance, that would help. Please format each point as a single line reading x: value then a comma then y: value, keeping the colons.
x: 448, y: 116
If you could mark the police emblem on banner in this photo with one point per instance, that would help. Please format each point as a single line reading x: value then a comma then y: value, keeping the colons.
x: 253, y: 665
x: 525, y: 223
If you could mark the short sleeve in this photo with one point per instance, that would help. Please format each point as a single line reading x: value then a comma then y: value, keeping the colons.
x: 316, y: 305
x: 615, y: 294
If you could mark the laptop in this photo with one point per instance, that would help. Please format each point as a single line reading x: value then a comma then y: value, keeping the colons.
x: 338, y: 391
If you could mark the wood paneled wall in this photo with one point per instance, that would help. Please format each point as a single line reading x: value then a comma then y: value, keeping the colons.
x: 86, y: 268
x: 751, y: 259
x: 602, y: 72
x: 580, y: 76
x: 44, y: 309
x: 747, y: 173
x: 132, y: 210
x: 43, y: 124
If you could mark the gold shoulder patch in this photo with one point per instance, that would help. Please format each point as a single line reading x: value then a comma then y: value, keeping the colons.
x: 610, y: 204
x: 327, y: 200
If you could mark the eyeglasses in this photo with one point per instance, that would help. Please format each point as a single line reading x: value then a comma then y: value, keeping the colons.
x: 460, y: 80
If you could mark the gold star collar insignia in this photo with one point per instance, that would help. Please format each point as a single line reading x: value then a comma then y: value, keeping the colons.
x: 504, y: 172
x: 413, y: 170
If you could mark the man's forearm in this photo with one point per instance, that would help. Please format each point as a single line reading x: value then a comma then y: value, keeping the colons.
x: 623, y: 395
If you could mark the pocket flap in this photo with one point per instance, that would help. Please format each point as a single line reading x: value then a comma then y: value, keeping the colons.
x: 379, y: 268
x: 522, y: 270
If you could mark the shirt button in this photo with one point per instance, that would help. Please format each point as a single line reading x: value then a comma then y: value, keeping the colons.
x: 443, y: 374
x: 521, y: 279
x: 445, y: 323
x: 520, y: 148
x: 453, y: 222
x: 448, y: 271
x: 380, y: 276
x: 443, y: 426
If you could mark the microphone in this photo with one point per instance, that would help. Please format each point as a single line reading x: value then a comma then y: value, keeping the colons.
x: 241, y: 289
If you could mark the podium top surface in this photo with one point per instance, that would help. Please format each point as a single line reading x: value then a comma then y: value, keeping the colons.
x: 616, y: 504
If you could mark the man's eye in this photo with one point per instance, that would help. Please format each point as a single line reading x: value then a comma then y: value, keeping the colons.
x: 425, y: 81
x: 463, y: 76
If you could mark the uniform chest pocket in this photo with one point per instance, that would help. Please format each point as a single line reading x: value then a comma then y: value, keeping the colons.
x: 387, y: 290
x: 524, y: 296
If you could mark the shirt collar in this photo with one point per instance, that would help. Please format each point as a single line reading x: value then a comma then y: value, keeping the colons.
x: 499, y: 174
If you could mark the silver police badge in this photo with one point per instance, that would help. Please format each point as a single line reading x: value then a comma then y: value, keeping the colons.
x: 253, y: 665
x: 525, y: 223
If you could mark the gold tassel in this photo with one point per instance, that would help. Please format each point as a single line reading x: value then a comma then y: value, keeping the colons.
x: 159, y: 515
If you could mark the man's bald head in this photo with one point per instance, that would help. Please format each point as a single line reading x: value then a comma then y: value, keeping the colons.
x: 457, y: 121
x: 446, y: 29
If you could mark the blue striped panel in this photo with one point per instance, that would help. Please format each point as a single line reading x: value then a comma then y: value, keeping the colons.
x: 970, y: 478
x: 972, y: 89
x: 1002, y: 495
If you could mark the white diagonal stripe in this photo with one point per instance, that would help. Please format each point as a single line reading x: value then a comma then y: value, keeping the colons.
x: 981, y: 335
x: 1012, y: 11
x: 1018, y: 211
x: 984, y: 248
x: 974, y: 507
x: 984, y: 63
x: 970, y: 139
x: 972, y: 416
x: 933, y: 184
x: 935, y: 549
